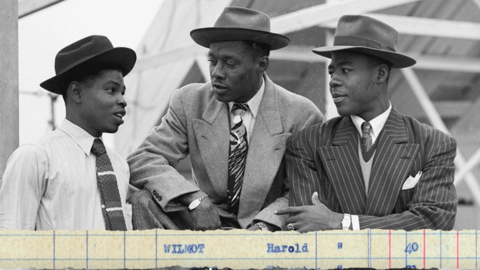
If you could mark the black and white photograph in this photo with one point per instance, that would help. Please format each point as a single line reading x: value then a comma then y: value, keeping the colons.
x: 271, y: 119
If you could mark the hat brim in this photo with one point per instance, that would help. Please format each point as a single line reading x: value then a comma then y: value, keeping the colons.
x: 397, y: 60
x: 116, y: 58
x: 205, y: 36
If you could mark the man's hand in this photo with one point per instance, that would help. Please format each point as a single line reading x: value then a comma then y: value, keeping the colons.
x: 270, y: 227
x: 316, y: 217
x: 254, y: 227
x: 205, y: 216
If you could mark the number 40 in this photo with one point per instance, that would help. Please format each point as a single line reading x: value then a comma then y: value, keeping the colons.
x: 411, y: 247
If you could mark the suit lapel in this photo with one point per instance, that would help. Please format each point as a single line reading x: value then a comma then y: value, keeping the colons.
x: 393, y: 158
x: 341, y: 164
x: 265, y: 153
x: 213, y: 134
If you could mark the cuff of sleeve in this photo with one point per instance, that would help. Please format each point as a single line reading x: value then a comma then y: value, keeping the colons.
x: 355, y: 223
x: 346, y: 222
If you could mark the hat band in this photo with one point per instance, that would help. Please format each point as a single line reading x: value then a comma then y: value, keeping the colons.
x: 356, y: 41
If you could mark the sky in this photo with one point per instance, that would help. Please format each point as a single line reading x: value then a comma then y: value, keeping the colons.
x: 44, y: 33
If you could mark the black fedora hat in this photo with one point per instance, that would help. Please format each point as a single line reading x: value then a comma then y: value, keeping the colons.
x: 369, y: 36
x: 240, y: 24
x: 85, y: 56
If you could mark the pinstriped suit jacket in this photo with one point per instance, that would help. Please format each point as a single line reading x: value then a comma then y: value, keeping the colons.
x: 324, y: 158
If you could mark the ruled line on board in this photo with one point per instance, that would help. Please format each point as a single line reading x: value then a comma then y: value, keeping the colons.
x: 53, y: 249
x: 156, y: 249
x: 124, y: 249
x: 440, y: 233
x: 369, y: 249
x: 86, y: 254
x: 424, y: 248
x: 406, y: 245
x: 316, y: 254
x: 389, y: 249
x: 458, y: 262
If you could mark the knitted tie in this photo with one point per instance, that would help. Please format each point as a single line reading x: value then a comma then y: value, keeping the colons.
x: 366, y: 140
x: 237, y: 157
x: 107, y: 182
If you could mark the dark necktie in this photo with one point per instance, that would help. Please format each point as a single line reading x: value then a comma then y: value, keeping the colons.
x: 366, y: 141
x: 107, y: 182
x: 237, y: 157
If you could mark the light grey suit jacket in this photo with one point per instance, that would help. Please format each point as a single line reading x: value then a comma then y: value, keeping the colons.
x: 198, y: 124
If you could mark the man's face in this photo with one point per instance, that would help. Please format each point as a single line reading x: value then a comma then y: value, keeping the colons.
x: 352, y: 85
x: 234, y: 72
x: 103, y: 105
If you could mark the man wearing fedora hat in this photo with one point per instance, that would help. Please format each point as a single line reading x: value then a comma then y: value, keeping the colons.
x: 69, y: 180
x: 371, y: 167
x: 234, y: 128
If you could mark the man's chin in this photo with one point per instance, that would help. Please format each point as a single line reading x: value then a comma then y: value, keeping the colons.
x: 112, y: 129
x: 342, y: 111
x: 221, y: 98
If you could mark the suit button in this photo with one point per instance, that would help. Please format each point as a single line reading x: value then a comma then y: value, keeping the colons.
x: 156, y: 195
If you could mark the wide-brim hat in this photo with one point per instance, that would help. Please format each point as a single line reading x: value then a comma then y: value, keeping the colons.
x: 240, y: 24
x: 87, y: 56
x: 369, y: 36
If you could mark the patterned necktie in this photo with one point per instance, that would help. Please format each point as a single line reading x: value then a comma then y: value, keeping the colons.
x: 237, y: 157
x: 107, y: 182
x: 366, y: 141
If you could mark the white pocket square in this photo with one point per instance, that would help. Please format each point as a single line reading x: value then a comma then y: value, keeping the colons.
x: 411, y: 181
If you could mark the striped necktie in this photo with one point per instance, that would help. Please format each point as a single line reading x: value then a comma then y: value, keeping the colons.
x: 366, y: 141
x: 237, y: 157
x: 107, y: 182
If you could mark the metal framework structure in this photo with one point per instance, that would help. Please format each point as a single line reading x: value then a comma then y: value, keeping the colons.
x: 27, y: 7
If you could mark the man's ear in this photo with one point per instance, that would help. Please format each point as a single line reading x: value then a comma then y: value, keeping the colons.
x: 74, y: 91
x: 382, y: 73
x: 263, y: 64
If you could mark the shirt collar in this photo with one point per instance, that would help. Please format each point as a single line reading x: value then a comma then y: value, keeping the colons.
x: 79, y: 135
x: 377, y: 123
x: 254, y: 102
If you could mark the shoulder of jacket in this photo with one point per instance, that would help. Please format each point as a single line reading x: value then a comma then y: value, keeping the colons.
x: 193, y: 89
x: 324, y: 127
x: 426, y: 131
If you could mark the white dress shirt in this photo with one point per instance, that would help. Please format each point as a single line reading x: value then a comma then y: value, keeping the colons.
x: 52, y: 185
x: 250, y: 115
x: 377, y: 125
